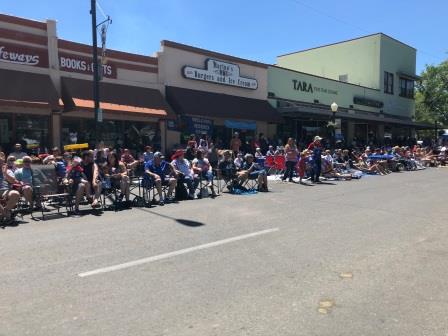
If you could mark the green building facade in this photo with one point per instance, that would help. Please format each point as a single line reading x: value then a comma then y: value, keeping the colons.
x: 370, y: 78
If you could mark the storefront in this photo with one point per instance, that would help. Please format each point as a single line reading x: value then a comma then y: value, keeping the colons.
x: 131, y: 115
x: 363, y: 116
x: 25, y: 113
x: 215, y: 94
x: 46, y: 92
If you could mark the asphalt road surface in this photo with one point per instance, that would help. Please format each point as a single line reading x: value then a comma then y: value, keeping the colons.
x: 367, y: 257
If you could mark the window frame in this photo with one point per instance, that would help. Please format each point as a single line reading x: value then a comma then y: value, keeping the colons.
x: 389, y: 82
x: 408, y: 90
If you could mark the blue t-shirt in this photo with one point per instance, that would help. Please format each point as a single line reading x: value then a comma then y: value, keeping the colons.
x: 317, y: 154
x: 61, y: 169
x: 160, y: 170
x: 24, y: 175
x: 148, y: 156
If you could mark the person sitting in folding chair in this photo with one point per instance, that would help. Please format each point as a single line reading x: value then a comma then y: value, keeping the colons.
x: 8, y: 196
x: 203, y: 169
x: 91, y: 172
x: 184, y: 172
x: 128, y: 159
x: 77, y: 181
x: 255, y: 172
x: 24, y: 176
x: 162, y: 174
x: 117, y: 172
x: 228, y: 171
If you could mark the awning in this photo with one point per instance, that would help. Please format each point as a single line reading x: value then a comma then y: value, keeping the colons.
x: 201, y: 103
x: 77, y: 94
x: 408, y: 76
x: 321, y: 112
x: 242, y: 125
x: 27, y: 89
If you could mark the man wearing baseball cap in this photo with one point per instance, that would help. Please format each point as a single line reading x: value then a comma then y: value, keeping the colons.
x: 316, y: 148
x: 161, y: 174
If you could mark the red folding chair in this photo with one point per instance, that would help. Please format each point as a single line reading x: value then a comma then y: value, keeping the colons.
x: 279, y: 165
x: 269, y: 163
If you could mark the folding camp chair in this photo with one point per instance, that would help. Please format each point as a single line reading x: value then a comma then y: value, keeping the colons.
x: 279, y: 166
x: 227, y: 179
x: 110, y: 192
x: 48, y: 194
x: 136, y: 189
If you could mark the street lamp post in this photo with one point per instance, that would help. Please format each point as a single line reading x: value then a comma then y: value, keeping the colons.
x: 96, y: 79
x: 334, y: 109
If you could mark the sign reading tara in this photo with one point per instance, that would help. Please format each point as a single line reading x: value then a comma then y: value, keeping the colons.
x: 220, y: 73
x: 304, y: 86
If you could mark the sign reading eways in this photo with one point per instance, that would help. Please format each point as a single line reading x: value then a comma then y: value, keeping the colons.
x: 220, y: 73
x: 24, y: 55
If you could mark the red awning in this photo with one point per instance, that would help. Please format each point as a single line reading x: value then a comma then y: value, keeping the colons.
x: 77, y: 94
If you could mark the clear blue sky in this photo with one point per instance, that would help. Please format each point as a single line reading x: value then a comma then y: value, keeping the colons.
x: 254, y: 29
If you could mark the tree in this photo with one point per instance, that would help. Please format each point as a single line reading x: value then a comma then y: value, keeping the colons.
x: 431, y: 100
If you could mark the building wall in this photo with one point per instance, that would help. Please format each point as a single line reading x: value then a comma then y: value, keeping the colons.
x: 324, y: 90
x: 397, y: 57
x: 358, y: 58
x: 172, y: 60
x: 364, y: 60
x: 20, y: 35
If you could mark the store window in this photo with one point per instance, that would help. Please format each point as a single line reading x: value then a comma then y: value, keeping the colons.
x: 32, y: 132
x: 5, y: 131
x: 388, y: 82
x: 406, y: 88
x: 114, y: 133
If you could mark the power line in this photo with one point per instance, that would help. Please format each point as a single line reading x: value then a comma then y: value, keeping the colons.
x: 318, y: 11
x: 330, y: 16
x: 101, y: 10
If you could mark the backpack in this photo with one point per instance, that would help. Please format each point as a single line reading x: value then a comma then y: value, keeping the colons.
x: 181, y: 192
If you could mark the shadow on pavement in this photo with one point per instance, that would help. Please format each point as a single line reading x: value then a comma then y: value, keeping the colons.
x: 181, y: 221
x: 327, y: 183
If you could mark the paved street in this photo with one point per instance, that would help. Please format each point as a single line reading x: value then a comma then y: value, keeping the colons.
x: 365, y: 257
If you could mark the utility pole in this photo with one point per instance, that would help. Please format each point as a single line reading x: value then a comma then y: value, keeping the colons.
x: 96, y: 80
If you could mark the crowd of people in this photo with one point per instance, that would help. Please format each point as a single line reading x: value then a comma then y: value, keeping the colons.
x: 188, y: 171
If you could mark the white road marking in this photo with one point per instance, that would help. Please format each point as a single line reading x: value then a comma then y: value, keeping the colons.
x: 175, y: 253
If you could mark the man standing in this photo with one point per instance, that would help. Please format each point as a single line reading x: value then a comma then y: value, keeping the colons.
x: 316, y: 148
x: 18, y: 153
x: 235, y: 143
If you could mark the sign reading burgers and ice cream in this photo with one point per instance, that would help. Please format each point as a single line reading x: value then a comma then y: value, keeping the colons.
x: 220, y: 72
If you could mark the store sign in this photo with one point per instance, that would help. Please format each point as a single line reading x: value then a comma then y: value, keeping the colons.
x: 84, y: 65
x: 18, y: 54
x: 171, y: 125
x: 305, y: 86
x: 368, y: 102
x: 219, y: 72
x: 195, y: 125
